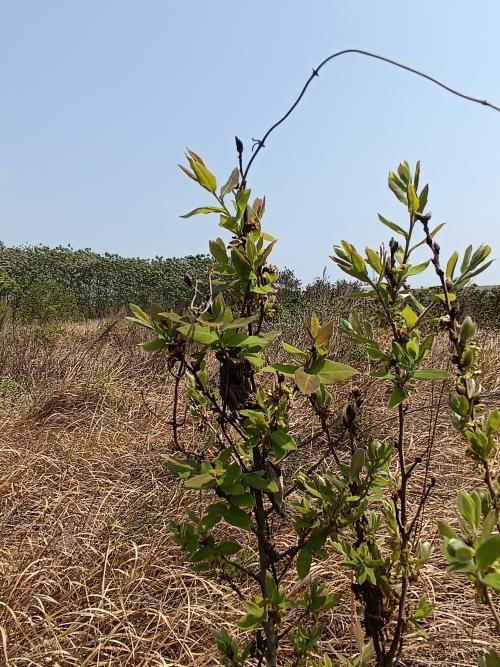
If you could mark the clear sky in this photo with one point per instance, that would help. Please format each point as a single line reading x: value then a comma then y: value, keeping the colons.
x: 99, y: 98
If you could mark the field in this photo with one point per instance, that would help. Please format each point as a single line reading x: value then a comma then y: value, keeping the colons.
x: 89, y: 574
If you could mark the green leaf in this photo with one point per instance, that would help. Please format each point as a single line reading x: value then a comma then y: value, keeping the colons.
x: 308, y: 384
x: 382, y: 375
x: 465, y: 262
x: 373, y: 260
x: 284, y: 369
x: 229, y: 223
x: 409, y: 316
x: 490, y: 659
x: 293, y: 350
x: 494, y: 421
x: 200, y: 334
x: 416, y: 178
x: 413, y: 202
x: 357, y: 462
x: 393, y: 226
x: 242, y: 499
x: 423, y: 198
x: 230, y: 477
x: 466, y: 508
x: 179, y: 467
x: 446, y: 531
x: 317, y: 540
x: 304, y: 561
x: 263, y: 257
x: 239, y: 322
x: 323, y: 337
x: 154, y: 345
x: 238, y: 518
x: 261, y: 483
x: 329, y: 371
x: 458, y: 550
x: 200, y: 481
x: 138, y: 312
x: 203, y: 553
x: 418, y: 268
x: 488, y: 552
x: 241, y: 202
x: 254, y: 358
x: 488, y: 524
x: 263, y: 289
x: 231, y: 182
x: 314, y: 326
x: 451, y: 264
x: 358, y: 262
x: 404, y: 172
x: 397, y: 396
x: 218, y: 250
x: 284, y: 441
x: 397, y: 190
x: 203, y: 175
x: 241, y: 264
x: 249, y: 623
x: 440, y: 298
x: 234, y: 339
x: 493, y: 580
x: 431, y: 374
x: 228, y: 548
x: 203, y: 209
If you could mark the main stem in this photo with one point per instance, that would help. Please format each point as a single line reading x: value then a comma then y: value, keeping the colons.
x: 271, y: 648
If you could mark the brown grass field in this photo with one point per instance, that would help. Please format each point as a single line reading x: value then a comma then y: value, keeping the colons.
x: 89, y: 574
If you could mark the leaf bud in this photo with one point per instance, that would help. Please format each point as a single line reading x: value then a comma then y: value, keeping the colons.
x: 239, y: 145
x: 467, y: 330
x: 467, y: 358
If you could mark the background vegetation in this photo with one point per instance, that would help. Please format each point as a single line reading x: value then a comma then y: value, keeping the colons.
x: 42, y: 284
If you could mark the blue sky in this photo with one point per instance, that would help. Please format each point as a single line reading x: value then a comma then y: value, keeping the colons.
x: 98, y: 100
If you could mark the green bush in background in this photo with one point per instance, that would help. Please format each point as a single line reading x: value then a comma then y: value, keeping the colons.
x: 86, y: 284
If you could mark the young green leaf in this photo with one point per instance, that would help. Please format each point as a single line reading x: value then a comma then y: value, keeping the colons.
x: 397, y: 396
x: 200, y: 481
x: 218, y: 250
x: 393, y: 226
x: 493, y: 580
x: 329, y: 371
x: 431, y: 374
x: 231, y: 183
x: 308, y: 384
x: 203, y: 209
x: 238, y: 518
x: 154, y: 345
x: 451, y: 264
x: 488, y: 552
x: 304, y: 561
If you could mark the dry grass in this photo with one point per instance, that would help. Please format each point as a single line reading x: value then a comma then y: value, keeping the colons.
x: 88, y: 572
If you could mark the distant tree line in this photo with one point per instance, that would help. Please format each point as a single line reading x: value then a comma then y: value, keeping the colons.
x: 46, y: 284
x: 337, y: 299
x: 42, y: 284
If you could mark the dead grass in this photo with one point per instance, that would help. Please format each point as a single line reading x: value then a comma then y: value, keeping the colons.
x: 88, y: 573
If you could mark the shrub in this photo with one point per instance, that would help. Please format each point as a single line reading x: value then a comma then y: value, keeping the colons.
x: 361, y: 509
x: 46, y: 301
x: 98, y: 285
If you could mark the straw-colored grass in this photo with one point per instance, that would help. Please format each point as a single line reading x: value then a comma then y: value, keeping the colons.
x: 88, y: 572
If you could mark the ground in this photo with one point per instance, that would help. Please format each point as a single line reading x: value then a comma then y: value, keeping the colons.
x: 89, y: 574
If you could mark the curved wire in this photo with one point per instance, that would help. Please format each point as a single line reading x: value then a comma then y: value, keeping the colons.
x: 260, y: 143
